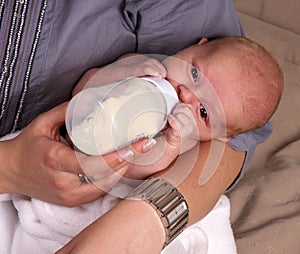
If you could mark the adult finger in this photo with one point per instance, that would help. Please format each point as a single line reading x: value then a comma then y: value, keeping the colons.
x: 53, y: 118
x: 80, y: 163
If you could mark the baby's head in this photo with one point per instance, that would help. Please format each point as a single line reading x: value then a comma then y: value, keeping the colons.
x: 236, y: 72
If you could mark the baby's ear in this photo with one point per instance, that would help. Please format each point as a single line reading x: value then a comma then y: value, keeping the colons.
x: 202, y: 41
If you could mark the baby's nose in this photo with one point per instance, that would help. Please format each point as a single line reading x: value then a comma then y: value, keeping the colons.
x: 186, y: 95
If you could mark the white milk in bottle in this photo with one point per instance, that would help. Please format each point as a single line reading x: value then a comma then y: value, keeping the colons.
x: 106, y: 118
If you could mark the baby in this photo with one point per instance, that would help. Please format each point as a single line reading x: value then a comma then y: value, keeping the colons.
x: 230, y: 79
x: 226, y: 87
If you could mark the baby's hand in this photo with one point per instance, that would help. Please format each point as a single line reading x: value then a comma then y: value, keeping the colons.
x: 138, y: 65
x: 130, y: 65
x: 180, y: 136
x: 183, y: 131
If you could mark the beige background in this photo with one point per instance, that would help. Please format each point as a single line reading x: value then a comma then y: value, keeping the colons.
x: 266, y: 203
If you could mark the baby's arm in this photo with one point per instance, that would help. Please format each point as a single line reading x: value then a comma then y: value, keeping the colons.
x: 129, y: 65
x: 180, y: 136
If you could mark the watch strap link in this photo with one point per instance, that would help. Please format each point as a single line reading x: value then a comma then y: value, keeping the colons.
x: 168, y: 203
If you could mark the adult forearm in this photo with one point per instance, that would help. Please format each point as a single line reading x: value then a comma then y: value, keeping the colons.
x: 133, y: 226
x: 5, y: 159
x: 201, y: 198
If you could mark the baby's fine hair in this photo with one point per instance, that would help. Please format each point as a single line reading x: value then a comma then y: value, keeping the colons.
x: 261, y: 83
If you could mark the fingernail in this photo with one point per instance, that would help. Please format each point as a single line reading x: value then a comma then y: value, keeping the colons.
x: 150, y: 143
x: 125, y: 155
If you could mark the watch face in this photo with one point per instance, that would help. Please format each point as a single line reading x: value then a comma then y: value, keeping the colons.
x: 179, y: 210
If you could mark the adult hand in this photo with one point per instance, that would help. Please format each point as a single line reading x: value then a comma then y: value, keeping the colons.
x: 36, y: 163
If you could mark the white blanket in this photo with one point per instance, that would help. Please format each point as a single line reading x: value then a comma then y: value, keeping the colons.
x: 33, y: 226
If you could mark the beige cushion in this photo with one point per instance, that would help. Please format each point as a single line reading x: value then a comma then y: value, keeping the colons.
x: 265, y: 210
x: 283, y: 14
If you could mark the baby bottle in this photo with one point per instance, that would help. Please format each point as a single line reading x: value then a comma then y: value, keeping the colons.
x: 106, y: 118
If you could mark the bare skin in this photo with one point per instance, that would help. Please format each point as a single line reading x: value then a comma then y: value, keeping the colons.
x: 142, y: 225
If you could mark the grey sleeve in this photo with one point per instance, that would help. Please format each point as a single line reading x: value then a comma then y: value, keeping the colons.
x: 169, y: 26
x: 247, y: 142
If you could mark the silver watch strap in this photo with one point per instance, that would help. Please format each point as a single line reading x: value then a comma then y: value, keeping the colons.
x: 168, y: 203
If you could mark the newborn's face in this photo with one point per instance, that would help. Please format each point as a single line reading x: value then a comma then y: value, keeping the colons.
x: 205, y: 80
x: 184, y: 73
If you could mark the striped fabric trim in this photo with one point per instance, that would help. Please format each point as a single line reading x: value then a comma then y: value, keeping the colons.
x: 11, y: 55
x: 21, y: 25
x: 2, y: 3
x: 29, y: 66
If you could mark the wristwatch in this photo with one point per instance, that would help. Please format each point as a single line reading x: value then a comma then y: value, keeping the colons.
x: 168, y: 203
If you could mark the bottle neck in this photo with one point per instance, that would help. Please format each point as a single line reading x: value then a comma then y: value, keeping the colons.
x: 167, y: 90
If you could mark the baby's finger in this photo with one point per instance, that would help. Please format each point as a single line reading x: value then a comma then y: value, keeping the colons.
x: 174, y: 126
x: 184, y: 118
x: 186, y: 124
x: 152, y: 67
x: 162, y: 69
x: 183, y: 108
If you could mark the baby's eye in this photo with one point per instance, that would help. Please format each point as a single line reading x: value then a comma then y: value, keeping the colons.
x: 194, y: 72
x: 203, y: 112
